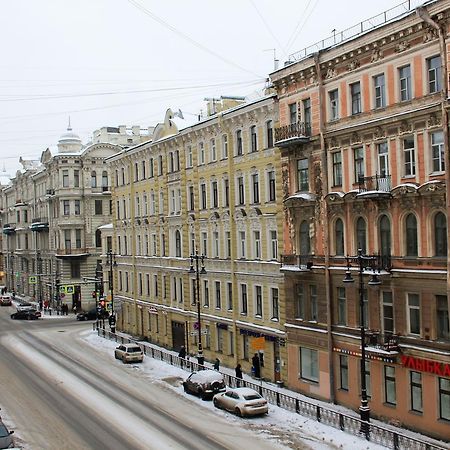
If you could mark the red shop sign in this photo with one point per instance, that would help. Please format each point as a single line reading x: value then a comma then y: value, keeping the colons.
x: 426, y: 365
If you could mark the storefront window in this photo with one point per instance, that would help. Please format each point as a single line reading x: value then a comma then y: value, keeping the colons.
x: 415, y: 380
x: 444, y: 398
x: 309, y: 364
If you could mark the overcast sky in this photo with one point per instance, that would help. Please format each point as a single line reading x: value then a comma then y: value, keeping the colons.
x: 124, y: 62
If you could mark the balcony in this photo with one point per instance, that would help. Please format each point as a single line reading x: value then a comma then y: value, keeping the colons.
x: 9, y: 228
x: 299, y: 263
x: 378, y: 186
x: 39, y: 224
x: 71, y: 252
x: 294, y: 133
x: 386, y: 342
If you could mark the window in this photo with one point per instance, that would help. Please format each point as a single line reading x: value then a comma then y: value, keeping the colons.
x: 307, y: 115
x: 355, y: 93
x: 253, y: 139
x: 160, y: 165
x: 389, y: 385
x: 189, y: 157
x: 201, y: 153
x: 191, y: 198
x: 341, y: 306
x: 409, y: 156
x: 241, y: 190
x: 76, y: 178
x: 361, y: 234
x: 434, y: 67
x: 411, y: 235
x: 242, y: 244
x: 271, y: 185
x: 444, y: 398
x: 299, y: 302
x: 65, y: 178
x: 440, y: 235
x: 244, y: 306
x: 442, y: 317
x: 367, y: 378
x: 358, y: 158
x: 275, y: 304
x: 218, y: 296
x: 313, y: 305
x: 334, y: 104
x: 203, y: 195
x: 212, y: 147
x: 255, y: 187
x: 337, y: 169
x: 228, y: 243
x: 269, y: 131
x: 302, y: 175
x: 204, y: 242
x: 293, y: 113
x: 258, y: 301
x: 216, y: 244
x: 93, y: 179
x: 413, y: 314
x: 67, y: 239
x: 343, y: 372
x: 230, y: 296
x: 205, y: 294
x: 304, y: 238
x: 415, y: 384
x: 273, y: 245
x: 77, y: 207
x: 404, y: 74
x: 239, y: 148
x: 151, y: 168
x: 75, y: 271
x: 309, y: 364
x: 98, y: 207
x: 224, y: 146
x: 226, y: 187
x: 78, y: 238
x: 142, y: 174
x: 66, y: 207
x: 177, y: 243
x: 339, y: 237
x: 379, y: 94
x: 387, y: 312
x: 257, y: 244
x: 136, y: 171
x: 215, y: 194
x: 385, y: 235
x: 437, y: 151
x: 383, y: 159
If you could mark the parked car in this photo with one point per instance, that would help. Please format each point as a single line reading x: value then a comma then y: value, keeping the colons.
x: 6, y: 440
x: 242, y: 401
x: 129, y: 353
x: 25, y: 306
x: 205, y: 384
x: 92, y: 314
x: 5, y: 300
x: 29, y: 314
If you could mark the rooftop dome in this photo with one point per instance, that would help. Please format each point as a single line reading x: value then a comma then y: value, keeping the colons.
x: 69, y: 142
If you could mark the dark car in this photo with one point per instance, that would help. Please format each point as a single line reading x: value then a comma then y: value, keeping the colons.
x: 29, y: 314
x: 92, y: 314
x: 205, y: 384
x: 6, y: 440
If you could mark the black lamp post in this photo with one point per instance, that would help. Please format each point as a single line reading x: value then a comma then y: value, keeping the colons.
x: 112, y: 263
x: 364, y: 262
x: 196, y: 257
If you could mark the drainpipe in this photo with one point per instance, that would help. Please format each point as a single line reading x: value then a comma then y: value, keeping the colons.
x: 325, y: 233
x: 425, y: 16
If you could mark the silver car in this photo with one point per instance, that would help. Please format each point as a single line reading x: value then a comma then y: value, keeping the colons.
x: 6, y: 440
x: 242, y: 401
x: 129, y: 353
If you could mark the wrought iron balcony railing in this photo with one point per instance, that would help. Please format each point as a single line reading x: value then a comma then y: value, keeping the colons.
x: 388, y: 342
x: 381, y: 183
x: 298, y: 131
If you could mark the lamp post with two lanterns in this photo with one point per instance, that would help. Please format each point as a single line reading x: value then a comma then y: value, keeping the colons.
x: 195, y: 270
x: 364, y: 263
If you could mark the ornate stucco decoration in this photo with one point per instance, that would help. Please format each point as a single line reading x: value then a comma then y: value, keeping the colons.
x: 377, y: 55
x: 405, y: 127
x: 430, y: 34
x: 379, y: 133
x: 402, y: 46
x: 356, y: 139
x: 353, y: 65
x: 331, y: 73
x: 433, y: 121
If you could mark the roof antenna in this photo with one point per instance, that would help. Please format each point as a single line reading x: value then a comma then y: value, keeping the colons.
x: 275, y: 60
x: 69, y: 128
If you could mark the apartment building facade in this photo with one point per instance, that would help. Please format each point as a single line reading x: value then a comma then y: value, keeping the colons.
x: 363, y: 130
x: 211, y: 189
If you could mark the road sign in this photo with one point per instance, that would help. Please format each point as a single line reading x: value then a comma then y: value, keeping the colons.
x: 195, y: 333
x: 109, y: 306
x: 195, y: 325
x: 62, y: 289
x: 32, y: 280
x: 70, y: 289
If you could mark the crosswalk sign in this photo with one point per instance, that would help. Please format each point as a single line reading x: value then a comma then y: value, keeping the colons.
x: 70, y: 289
x: 32, y: 280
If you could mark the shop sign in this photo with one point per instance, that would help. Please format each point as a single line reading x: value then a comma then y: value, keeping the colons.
x: 258, y: 343
x: 426, y: 365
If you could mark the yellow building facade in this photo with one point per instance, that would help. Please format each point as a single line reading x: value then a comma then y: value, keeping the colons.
x: 213, y: 188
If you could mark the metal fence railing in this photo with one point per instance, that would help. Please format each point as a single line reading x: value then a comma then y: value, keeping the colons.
x: 374, y: 433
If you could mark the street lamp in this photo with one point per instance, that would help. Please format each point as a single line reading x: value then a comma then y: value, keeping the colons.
x: 364, y: 262
x: 196, y: 257
x: 112, y: 263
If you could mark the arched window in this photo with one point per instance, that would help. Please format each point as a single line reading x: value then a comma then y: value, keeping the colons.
x: 269, y: 128
x: 411, y: 235
x: 440, y: 235
x: 177, y: 244
x: 361, y: 235
x: 123, y: 176
x: 305, y: 246
x: 385, y: 235
x: 98, y: 238
x: 105, y: 178
x: 93, y: 179
x: 339, y: 237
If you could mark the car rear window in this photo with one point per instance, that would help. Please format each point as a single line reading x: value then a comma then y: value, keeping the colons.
x: 252, y: 397
x: 133, y: 349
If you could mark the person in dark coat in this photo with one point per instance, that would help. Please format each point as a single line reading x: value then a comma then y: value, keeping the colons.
x: 217, y: 364
x: 256, y: 365
x: 238, y: 371
x: 182, y: 352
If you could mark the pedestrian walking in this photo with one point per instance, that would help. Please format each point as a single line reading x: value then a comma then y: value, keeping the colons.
x: 238, y: 373
x: 217, y: 364
x: 182, y: 352
x: 256, y: 365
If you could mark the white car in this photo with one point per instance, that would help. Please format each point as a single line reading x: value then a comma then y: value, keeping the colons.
x: 129, y: 353
x: 242, y: 401
x: 25, y: 306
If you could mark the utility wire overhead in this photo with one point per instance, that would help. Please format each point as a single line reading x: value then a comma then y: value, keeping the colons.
x: 300, y: 24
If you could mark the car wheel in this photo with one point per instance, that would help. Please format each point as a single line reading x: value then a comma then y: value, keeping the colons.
x: 124, y: 360
x: 186, y: 389
x: 238, y: 412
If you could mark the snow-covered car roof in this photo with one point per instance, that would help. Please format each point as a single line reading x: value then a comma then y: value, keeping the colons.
x: 207, y: 376
x: 245, y: 391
